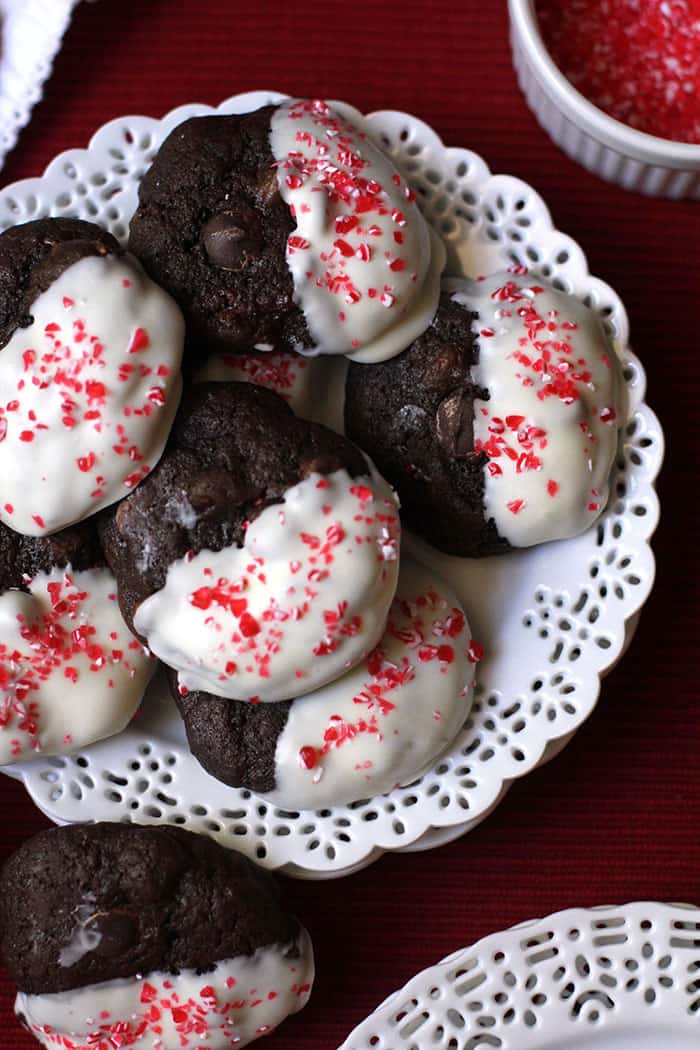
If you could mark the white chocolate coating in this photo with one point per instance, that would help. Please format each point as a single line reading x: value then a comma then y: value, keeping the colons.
x: 71, y: 672
x: 292, y: 377
x: 230, y: 1006
x: 366, y: 266
x: 550, y: 425
x: 300, y: 603
x: 88, y: 393
x: 386, y: 721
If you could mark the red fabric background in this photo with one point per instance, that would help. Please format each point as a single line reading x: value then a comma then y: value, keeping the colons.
x: 616, y: 816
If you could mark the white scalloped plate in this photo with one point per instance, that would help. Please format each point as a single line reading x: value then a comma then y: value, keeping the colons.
x: 553, y: 619
x: 584, y: 979
x: 32, y: 32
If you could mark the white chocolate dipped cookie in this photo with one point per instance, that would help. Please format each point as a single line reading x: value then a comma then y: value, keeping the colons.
x: 499, y: 426
x: 261, y: 558
x: 304, y: 598
x: 289, y: 229
x: 148, y: 937
x: 380, y: 725
x: 365, y: 264
x: 549, y: 423
x: 71, y: 672
x: 89, y: 381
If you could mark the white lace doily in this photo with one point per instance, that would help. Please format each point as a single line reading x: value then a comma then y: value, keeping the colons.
x: 31, y: 32
x: 622, y: 978
x: 552, y: 619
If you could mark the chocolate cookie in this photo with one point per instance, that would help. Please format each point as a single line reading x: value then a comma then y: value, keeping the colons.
x: 211, y: 228
x: 414, y: 416
x: 90, y: 352
x: 286, y: 229
x: 499, y: 425
x: 119, y: 929
x: 260, y: 556
x: 71, y: 673
x: 380, y: 724
x: 233, y: 741
x: 23, y: 557
x: 34, y: 255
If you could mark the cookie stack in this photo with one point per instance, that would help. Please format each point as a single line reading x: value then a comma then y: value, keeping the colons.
x: 253, y: 551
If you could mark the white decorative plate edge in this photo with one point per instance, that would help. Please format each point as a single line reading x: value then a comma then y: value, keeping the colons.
x: 487, y: 221
x: 32, y: 31
x: 551, y: 981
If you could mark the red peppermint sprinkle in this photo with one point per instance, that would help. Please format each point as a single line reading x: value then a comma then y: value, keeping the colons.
x: 298, y: 244
x: 345, y: 223
x: 308, y: 757
x: 249, y: 625
x: 139, y: 341
x: 345, y: 249
x: 475, y: 652
x: 86, y: 463
x: 638, y: 60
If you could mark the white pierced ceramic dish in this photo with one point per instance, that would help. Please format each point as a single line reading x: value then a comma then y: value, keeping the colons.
x: 552, y: 619
x: 606, y: 978
x: 32, y: 31
x: 605, y: 146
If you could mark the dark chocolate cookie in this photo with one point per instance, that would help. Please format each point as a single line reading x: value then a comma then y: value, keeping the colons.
x: 233, y: 741
x: 33, y: 255
x: 153, y: 898
x: 25, y: 556
x: 234, y: 450
x: 211, y: 228
x: 414, y: 416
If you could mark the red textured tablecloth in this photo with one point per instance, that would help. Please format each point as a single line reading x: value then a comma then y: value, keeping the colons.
x: 616, y: 816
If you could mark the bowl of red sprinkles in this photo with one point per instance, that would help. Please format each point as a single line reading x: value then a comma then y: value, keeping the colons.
x: 616, y: 84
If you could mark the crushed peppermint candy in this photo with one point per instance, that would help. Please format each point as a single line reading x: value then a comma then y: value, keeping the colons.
x: 303, y: 600
x: 88, y: 392
x: 384, y: 721
x: 361, y: 250
x: 637, y: 60
x: 70, y: 670
x: 548, y: 429
x: 228, y: 1006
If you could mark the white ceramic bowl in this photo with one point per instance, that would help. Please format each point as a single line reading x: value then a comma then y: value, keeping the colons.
x: 608, y: 148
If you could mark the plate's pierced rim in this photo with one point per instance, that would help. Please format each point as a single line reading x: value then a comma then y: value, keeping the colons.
x: 604, y: 970
x: 484, y: 219
x: 32, y: 36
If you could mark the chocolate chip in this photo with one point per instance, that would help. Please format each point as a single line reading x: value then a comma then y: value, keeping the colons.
x: 117, y: 931
x: 230, y: 237
x: 454, y: 424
